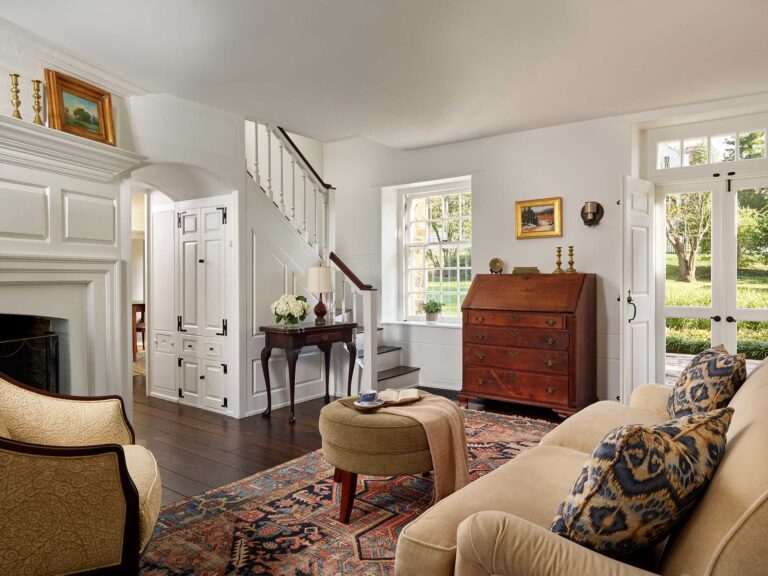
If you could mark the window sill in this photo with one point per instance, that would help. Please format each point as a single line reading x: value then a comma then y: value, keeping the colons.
x: 451, y: 325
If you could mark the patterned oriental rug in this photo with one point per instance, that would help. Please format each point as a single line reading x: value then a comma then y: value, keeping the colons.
x: 284, y: 521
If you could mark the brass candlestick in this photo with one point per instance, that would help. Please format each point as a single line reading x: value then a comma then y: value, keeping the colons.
x: 15, y: 100
x: 36, y: 106
x: 559, y: 261
x: 571, y: 269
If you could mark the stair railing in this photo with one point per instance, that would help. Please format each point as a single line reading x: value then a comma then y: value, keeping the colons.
x: 285, y: 175
x: 365, y: 295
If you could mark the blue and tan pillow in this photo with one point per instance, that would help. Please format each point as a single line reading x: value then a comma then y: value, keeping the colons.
x: 640, y: 480
x: 708, y: 382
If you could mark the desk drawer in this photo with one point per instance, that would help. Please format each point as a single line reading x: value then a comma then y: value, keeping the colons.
x: 520, y: 337
x: 516, y: 385
x: 323, y: 338
x: 212, y: 348
x: 190, y: 345
x: 529, y: 359
x: 523, y: 320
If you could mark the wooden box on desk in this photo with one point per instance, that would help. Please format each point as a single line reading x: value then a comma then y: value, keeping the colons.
x: 531, y: 339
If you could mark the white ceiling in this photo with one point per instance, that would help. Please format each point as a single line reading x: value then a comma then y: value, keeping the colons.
x: 412, y: 73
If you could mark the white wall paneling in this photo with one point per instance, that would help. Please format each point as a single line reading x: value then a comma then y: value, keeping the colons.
x: 88, y: 218
x: 25, y: 212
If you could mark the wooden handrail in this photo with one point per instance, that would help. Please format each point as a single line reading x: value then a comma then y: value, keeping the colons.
x: 349, y: 274
x: 304, y: 158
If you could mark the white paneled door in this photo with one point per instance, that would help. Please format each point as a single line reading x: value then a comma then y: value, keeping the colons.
x: 190, y: 255
x: 638, y: 298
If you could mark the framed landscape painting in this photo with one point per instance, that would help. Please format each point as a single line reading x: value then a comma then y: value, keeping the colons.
x: 539, y: 218
x: 79, y: 108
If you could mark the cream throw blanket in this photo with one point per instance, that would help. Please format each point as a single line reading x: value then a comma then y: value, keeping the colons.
x: 443, y: 421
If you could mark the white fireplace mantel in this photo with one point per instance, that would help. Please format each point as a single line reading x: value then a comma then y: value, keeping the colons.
x: 25, y: 144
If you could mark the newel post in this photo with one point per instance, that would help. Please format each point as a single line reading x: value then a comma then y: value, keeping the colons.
x: 370, y: 340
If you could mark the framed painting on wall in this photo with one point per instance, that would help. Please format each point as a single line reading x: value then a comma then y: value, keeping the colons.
x: 541, y: 218
x: 79, y: 108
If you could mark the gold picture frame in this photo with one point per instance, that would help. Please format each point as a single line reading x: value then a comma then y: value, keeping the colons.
x: 79, y: 108
x: 542, y: 218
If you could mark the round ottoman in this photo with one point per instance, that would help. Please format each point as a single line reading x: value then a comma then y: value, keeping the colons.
x: 372, y: 443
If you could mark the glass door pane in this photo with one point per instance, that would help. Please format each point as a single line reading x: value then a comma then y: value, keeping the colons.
x: 685, y: 337
x: 752, y: 341
x: 688, y: 255
x: 752, y: 248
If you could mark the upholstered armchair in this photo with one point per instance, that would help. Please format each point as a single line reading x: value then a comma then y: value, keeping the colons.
x: 76, y: 493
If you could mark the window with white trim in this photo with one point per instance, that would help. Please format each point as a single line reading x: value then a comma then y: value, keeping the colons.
x: 437, y: 248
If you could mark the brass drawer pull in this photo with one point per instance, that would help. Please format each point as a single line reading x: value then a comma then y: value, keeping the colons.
x: 479, y: 318
x: 480, y: 336
x: 513, y: 353
x: 550, y: 340
x: 479, y: 355
x: 514, y: 333
x: 324, y: 337
x: 550, y: 321
x: 514, y: 318
x: 549, y: 390
x: 551, y: 363
x: 481, y: 381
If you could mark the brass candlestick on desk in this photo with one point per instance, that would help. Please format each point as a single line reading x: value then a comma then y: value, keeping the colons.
x: 559, y: 261
x: 15, y: 100
x: 571, y: 269
x: 36, y: 106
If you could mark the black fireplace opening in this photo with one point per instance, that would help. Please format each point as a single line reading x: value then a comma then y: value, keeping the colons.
x: 29, y: 350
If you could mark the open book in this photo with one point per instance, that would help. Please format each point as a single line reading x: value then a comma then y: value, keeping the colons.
x: 397, y: 396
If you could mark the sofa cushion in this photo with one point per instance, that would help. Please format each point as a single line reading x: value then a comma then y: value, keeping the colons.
x: 585, y: 429
x: 640, y: 481
x: 145, y: 474
x: 4, y: 432
x: 708, y: 382
x: 530, y: 486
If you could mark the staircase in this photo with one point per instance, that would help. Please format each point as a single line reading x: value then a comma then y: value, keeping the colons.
x: 307, y: 202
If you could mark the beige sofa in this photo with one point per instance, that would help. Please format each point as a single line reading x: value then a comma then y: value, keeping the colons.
x: 76, y: 494
x: 499, y: 524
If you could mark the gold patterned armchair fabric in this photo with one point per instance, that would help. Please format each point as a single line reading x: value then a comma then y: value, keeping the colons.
x: 76, y: 494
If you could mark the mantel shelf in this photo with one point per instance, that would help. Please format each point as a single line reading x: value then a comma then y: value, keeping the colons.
x: 28, y: 145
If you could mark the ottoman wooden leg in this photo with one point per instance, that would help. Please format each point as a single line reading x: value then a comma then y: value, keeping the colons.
x: 348, y: 489
x: 336, y: 475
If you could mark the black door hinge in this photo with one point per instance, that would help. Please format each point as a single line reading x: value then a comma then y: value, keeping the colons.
x: 178, y: 325
x: 223, y: 214
x: 178, y: 361
x: 224, y: 367
x: 202, y: 376
x: 223, y: 328
x: 181, y: 394
x: 225, y: 403
x: 178, y: 220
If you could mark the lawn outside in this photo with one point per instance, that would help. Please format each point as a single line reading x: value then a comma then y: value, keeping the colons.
x: 691, y: 335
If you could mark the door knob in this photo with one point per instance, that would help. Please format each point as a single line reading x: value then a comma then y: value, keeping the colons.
x: 730, y: 319
x: 716, y: 318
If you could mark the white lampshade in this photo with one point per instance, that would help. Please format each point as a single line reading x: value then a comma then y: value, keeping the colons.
x: 320, y: 280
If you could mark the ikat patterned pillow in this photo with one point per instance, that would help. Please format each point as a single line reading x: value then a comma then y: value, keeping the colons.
x: 639, y: 482
x: 708, y: 382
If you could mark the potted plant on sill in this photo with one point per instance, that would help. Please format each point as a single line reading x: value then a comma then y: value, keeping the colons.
x: 432, y: 309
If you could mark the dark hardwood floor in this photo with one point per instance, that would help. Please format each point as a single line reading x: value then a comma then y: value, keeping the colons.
x: 199, y: 450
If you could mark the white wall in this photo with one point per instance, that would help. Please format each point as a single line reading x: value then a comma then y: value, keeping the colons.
x: 137, y: 270
x: 580, y: 162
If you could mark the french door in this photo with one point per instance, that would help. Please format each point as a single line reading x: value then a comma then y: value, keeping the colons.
x: 711, y: 271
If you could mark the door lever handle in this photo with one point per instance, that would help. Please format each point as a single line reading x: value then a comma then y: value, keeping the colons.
x: 730, y: 319
x: 716, y: 318
x: 631, y: 302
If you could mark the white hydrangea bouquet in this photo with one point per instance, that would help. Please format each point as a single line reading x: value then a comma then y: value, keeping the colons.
x: 290, y: 309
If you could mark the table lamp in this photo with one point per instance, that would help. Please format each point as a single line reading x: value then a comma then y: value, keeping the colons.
x: 320, y: 281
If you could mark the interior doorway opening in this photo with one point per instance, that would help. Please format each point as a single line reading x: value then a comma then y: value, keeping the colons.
x: 139, y: 293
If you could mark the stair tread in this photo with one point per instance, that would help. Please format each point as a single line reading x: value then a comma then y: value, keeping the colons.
x: 396, y: 371
x: 379, y: 350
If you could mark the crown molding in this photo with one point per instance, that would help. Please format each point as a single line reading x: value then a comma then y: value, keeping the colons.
x: 20, y: 43
x: 41, y: 148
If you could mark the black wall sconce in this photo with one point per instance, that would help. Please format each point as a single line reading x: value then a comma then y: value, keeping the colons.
x: 592, y: 213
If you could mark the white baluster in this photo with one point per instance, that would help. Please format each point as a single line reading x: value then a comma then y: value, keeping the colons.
x: 293, y: 191
x: 354, y: 306
x: 344, y: 298
x: 324, y: 232
x: 304, y: 185
x: 256, y: 175
x: 317, y: 223
x: 282, y: 181
x: 269, y: 163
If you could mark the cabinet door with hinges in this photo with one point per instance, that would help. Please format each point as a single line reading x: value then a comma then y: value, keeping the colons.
x: 214, y: 385
x: 190, y: 381
x: 212, y: 276
x: 189, y: 278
